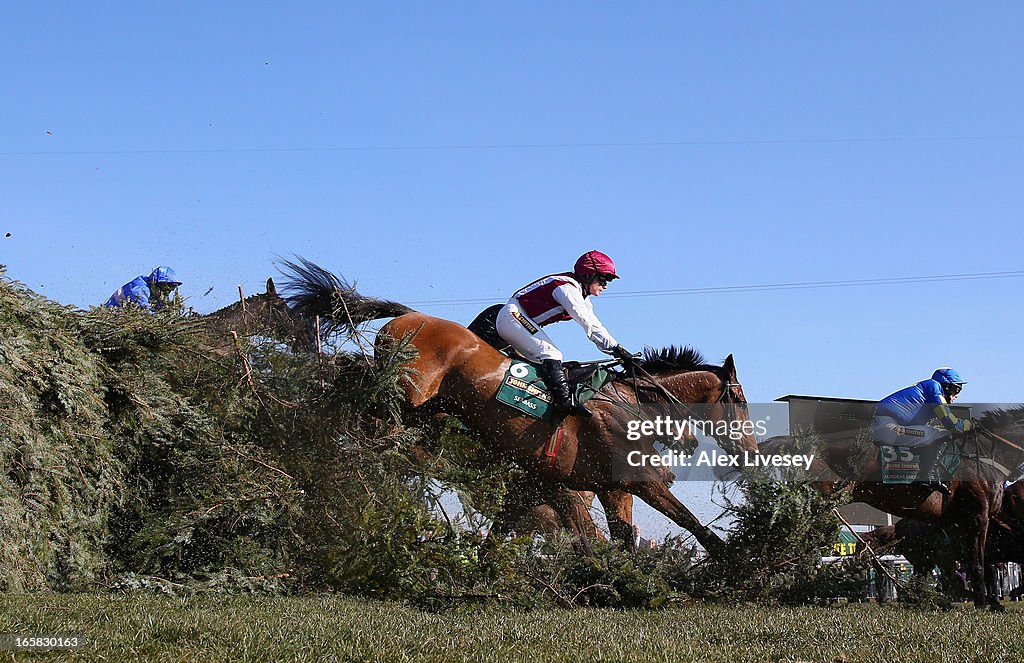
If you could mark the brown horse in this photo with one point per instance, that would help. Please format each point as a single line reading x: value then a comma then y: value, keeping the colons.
x: 265, y: 314
x: 1006, y: 536
x: 928, y: 546
x: 457, y: 373
x: 987, y: 456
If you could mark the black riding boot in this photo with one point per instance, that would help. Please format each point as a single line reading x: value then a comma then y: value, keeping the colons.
x: 929, y: 475
x: 561, y: 396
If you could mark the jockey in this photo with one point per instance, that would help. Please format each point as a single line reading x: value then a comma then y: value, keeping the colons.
x: 148, y: 292
x: 551, y: 299
x: 901, y: 419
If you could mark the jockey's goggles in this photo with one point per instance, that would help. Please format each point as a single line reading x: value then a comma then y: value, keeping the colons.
x: 954, y: 389
x: 604, y: 279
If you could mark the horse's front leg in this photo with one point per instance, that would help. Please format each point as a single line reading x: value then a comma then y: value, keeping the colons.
x: 992, y: 587
x: 656, y: 493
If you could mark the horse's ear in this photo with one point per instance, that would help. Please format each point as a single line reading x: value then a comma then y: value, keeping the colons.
x: 271, y: 288
x: 730, y: 368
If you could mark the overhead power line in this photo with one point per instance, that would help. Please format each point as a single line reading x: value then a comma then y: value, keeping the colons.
x: 761, y: 287
x: 507, y: 146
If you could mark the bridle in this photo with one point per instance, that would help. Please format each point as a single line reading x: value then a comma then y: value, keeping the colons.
x: 995, y: 441
x: 984, y: 456
x: 729, y: 395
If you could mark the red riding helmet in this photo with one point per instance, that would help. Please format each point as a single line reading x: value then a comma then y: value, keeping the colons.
x: 595, y: 262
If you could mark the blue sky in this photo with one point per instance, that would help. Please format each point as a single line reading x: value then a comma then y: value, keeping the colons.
x: 437, y: 151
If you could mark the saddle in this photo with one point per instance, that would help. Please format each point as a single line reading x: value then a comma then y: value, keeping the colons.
x: 578, y: 372
x: 484, y: 326
x: 522, y: 387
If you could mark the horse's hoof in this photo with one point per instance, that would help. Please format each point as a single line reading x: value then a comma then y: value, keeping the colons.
x: 996, y: 606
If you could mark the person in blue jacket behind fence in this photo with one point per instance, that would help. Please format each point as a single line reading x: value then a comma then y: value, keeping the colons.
x: 902, y: 419
x: 149, y: 292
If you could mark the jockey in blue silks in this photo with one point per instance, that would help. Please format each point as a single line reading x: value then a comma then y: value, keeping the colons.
x: 148, y: 292
x: 901, y: 419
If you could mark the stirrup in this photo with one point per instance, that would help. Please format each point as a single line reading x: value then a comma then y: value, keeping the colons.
x: 571, y: 406
x: 579, y: 409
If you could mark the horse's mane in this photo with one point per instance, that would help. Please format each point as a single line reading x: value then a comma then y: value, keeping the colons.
x: 1002, y: 418
x: 673, y: 359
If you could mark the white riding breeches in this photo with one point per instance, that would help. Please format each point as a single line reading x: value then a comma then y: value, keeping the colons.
x: 514, y: 325
x: 887, y: 430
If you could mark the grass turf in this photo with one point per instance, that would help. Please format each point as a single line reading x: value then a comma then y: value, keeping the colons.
x: 145, y: 627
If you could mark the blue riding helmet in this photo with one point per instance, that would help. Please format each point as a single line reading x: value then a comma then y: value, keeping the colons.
x: 948, y: 376
x: 164, y: 275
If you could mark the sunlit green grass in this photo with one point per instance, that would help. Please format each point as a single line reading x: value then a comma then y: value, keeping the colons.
x: 135, y: 627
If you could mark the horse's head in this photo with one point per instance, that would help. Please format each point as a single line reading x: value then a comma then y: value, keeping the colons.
x: 730, y: 407
x: 999, y: 441
x: 266, y: 314
x: 708, y: 394
x: 284, y: 323
x: 272, y: 305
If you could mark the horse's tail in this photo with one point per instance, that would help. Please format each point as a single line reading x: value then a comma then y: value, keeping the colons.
x: 313, y: 291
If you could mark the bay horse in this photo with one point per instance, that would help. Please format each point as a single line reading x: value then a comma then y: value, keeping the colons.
x: 988, y: 456
x: 927, y: 546
x: 265, y: 313
x: 457, y: 373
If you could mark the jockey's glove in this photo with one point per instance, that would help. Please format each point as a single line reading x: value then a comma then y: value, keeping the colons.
x: 623, y: 354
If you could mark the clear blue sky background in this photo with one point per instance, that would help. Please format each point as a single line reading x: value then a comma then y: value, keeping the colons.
x: 457, y: 150
x: 439, y: 151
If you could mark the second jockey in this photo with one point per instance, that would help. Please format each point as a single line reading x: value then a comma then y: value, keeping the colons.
x: 901, y: 419
x: 147, y: 292
x: 551, y: 299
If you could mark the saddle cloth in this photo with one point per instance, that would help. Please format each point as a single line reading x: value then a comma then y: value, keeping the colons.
x: 901, y: 465
x: 523, y: 389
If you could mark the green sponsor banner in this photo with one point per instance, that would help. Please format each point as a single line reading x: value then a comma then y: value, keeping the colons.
x: 524, y: 390
x: 846, y: 545
x: 900, y: 465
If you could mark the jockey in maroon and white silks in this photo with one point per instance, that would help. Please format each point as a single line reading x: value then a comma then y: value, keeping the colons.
x: 554, y: 298
x: 549, y: 299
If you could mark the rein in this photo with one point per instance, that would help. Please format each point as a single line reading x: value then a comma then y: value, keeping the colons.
x: 998, y: 438
x: 981, y: 458
x: 726, y: 396
x: 650, y: 378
